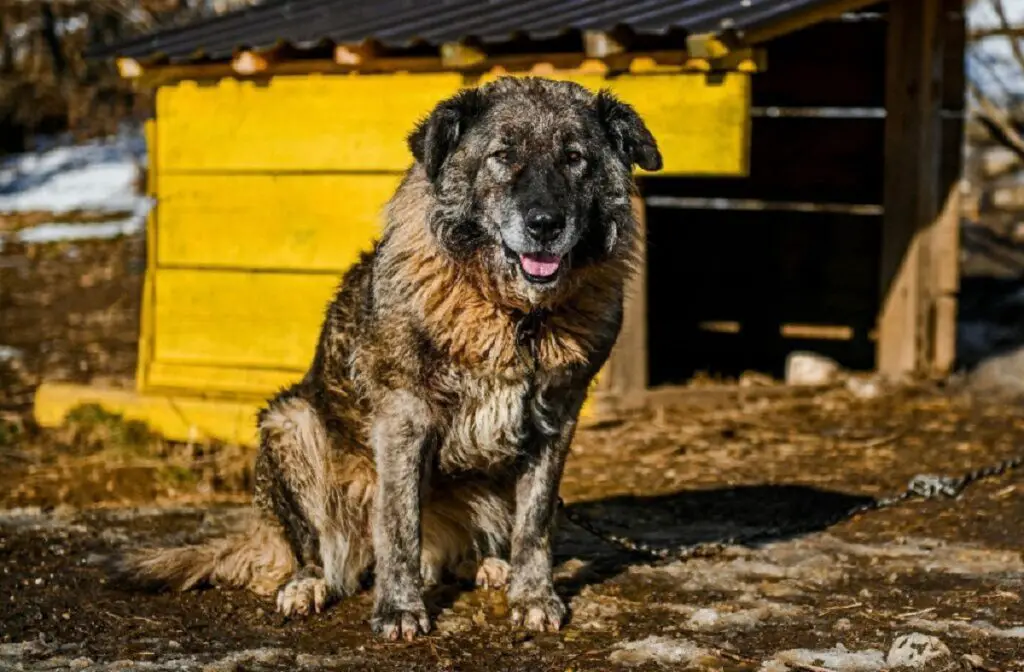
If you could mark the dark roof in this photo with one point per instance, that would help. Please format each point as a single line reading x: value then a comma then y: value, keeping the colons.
x: 404, y: 23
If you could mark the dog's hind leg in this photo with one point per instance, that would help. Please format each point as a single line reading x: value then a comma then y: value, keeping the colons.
x: 322, y: 496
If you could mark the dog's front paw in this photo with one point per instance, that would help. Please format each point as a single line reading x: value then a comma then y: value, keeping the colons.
x: 393, y: 623
x: 538, y: 612
x: 303, y: 595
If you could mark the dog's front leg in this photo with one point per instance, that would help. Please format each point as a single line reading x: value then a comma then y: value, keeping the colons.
x: 531, y: 592
x: 401, y: 436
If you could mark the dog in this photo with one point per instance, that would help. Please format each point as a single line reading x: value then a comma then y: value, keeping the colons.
x: 429, y: 435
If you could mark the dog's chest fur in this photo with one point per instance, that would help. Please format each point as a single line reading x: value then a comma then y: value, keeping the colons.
x: 489, y: 421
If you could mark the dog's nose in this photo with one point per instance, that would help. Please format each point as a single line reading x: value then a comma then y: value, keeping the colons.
x: 544, y: 225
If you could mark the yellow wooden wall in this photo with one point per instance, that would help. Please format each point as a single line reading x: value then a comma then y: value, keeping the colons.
x: 267, y: 191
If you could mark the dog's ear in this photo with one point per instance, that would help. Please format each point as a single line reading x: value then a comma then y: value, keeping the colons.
x: 438, y: 135
x: 627, y: 132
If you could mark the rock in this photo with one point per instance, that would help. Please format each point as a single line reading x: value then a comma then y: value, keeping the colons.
x: 662, y: 651
x: 704, y: 618
x: 808, y: 368
x: 865, y: 388
x: 839, y: 659
x: 916, y: 650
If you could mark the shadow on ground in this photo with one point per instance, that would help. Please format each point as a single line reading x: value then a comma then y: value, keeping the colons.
x: 691, y: 517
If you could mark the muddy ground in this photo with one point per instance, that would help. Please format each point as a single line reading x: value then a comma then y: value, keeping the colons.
x: 693, y: 464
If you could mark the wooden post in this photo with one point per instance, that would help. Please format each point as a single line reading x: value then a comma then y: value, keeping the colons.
x: 945, y: 237
x: 913, y: 133
x: 625, y: 376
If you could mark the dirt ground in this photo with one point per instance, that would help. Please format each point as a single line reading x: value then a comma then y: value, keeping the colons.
x: 693, y: 464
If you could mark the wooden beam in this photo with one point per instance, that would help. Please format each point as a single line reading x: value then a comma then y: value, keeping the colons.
x: 598, y: 44
x: 823, y: 11
x: 624, y: 377
x: 945, y: 235
x: 249, y: 63
x: 349, y: 60
x: 459, y: 55
x: 913, y: 132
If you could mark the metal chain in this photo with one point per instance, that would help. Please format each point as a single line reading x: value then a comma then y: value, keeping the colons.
x: 921, y: 486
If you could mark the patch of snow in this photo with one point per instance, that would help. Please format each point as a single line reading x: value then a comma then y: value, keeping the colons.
x: 660, y: 650
x: 53, y: 232
x: 9, y: 353
x: 990, y: 62
x: 838, y: 659
x: 916, y: 650
x: 97, y: 176
x: 971, y: 628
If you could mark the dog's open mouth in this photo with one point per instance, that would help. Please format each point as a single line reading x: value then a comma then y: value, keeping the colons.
x: 540, y: 266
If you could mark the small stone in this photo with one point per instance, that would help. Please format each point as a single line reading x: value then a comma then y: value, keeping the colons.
x: 260, y: 613
x: 842, y: 625
x: 810, y: 369
x: 916, y: 650
x: 172, y: 644
x: 80, y: 663
x: 704, y: 618
x: 864, y: 388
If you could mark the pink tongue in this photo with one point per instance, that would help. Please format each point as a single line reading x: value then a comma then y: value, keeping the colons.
x: 540, y: 265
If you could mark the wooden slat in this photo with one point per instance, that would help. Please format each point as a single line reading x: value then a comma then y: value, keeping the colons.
x: 701, y: 123
x: 831, y: 64
x: 199, y: 379
x: 176, y: 417
x: 238, y: 319
x: 912, y: 173
x: 145, y: 347
x: 944, y: 240
x: 303, y: 222
x: 337, y: 123
x: 798, y: 159
x: 310, y: 124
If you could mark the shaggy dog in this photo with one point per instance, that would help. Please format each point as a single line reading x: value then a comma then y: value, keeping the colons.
x: 430, y: 432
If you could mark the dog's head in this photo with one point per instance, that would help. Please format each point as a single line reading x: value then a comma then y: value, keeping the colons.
x: 532, y: 179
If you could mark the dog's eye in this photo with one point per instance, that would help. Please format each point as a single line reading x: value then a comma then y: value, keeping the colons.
x: 501, y: 156
x: 574, y: 158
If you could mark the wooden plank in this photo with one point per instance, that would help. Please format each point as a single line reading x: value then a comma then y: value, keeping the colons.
x: 176, y: 417
x: 297, y: 123
x: 912, y: 173
x: 182, y: 377
x: 830, y: 64
x: 624, y: 376
x: 798, y: 159
x: 701, y: 122
x: 944, y: 240
x: 306, y: 222
x: 145, y: 347
x: 312, y: 123
x: 238, y: 319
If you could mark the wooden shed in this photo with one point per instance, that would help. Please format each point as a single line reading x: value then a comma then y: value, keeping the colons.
x: 808, y: 198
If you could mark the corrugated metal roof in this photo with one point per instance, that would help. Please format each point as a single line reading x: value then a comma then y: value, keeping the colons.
x: 405, y: 23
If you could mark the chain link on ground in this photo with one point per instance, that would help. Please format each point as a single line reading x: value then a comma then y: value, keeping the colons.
x: 921, y: 486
